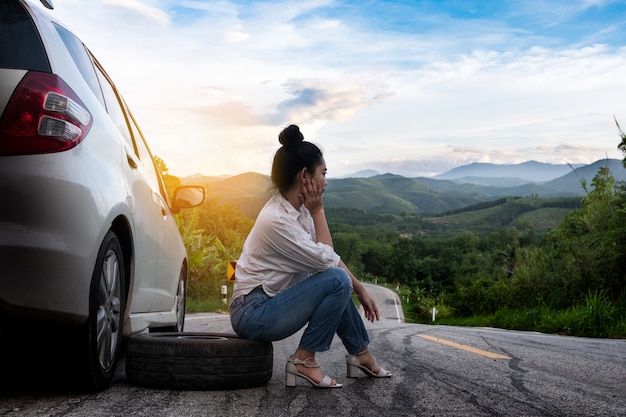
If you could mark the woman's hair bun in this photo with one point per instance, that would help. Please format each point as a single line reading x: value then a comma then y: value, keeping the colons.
x: 291, y: 136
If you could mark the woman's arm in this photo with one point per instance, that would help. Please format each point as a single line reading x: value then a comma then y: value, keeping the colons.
x: 312, y: 199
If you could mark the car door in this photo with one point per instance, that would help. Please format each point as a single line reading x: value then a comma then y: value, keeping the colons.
x: 144, y: 199
x: 170, y: 253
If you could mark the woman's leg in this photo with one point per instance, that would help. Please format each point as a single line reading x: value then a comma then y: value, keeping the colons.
x: 354, y: 336
x: 351, y: 330
x: 320, y: 300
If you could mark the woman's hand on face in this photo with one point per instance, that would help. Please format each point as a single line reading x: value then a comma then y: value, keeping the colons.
x: 311, y: 195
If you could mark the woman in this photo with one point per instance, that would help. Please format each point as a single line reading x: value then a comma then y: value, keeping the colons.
x: 289, y: 275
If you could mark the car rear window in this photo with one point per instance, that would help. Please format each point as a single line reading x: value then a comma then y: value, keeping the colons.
x: 82, y: 60
x: 20, y: 44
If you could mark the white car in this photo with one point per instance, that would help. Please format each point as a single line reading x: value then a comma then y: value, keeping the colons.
x: 88, y: 241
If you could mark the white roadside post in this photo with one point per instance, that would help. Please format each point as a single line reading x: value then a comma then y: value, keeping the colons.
x: 224, y: 293
x: 434, y: 311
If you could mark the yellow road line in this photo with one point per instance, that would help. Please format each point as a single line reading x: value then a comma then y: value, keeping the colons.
x: 464, y: 347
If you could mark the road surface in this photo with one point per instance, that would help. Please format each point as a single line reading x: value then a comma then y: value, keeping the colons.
x: 438, y: 371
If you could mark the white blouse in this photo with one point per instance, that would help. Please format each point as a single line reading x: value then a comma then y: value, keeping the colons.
x: 281, y: 250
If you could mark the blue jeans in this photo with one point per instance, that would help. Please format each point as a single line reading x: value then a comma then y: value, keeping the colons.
x: 323, y: 301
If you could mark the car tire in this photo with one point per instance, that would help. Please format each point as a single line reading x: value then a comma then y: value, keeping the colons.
x: 101, y: 336
x: 198, y: 361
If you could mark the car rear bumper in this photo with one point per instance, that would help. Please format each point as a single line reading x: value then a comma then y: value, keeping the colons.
x: 51, y: 226
x: 41, y: 278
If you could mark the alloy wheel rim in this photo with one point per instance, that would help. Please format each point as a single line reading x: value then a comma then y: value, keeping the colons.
x: 109, y: 313
x: 180, y: 305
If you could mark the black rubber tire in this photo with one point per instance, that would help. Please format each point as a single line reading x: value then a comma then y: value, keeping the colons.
x: 198, y: 361
x: 100, y: 339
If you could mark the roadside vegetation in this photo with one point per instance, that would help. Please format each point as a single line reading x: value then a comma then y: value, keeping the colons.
x: 549, y: 265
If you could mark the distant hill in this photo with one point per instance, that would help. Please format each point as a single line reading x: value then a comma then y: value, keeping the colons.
x: 248, y: 191
x: 362, y: 174
x: 573, y: 179
x: 531, y: 213
x: 531, y: 171
x: 395, y: 194
x: 390, y: 193
x: 567, y: 185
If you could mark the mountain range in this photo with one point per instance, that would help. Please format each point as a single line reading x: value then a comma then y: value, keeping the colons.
x: 393, y: 194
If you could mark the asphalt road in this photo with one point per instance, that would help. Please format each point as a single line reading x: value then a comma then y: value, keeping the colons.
x: 438, y: 371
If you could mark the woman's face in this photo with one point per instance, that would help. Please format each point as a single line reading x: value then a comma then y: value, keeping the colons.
x: 319, y: 175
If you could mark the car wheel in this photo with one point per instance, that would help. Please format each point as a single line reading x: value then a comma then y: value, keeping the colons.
x: 181, y: 303
x: 198, y: 361
x: 103, y: 330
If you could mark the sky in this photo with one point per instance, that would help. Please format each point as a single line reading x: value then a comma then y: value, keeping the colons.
x: 414, y: 88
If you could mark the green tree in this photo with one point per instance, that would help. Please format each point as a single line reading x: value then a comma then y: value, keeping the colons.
x: 213, y: 235
x: 160, y: 165
x: 404, y: 260
x: 169, y: 181
x: 586, y: 239
x: 585, y: 253
x: 349, y: 246
x: 376, y: 258
x: 622, y: 145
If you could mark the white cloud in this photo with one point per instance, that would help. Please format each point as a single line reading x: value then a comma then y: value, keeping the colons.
x: 213, y: 82
x: 141, y: 9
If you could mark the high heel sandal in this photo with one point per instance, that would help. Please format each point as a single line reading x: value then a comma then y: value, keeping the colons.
x: 353, y: 367
x: 291, y: 372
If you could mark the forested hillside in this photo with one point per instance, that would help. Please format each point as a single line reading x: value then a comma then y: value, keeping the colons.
x: 394, y: 194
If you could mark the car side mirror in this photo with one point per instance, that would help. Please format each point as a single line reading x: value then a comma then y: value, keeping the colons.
x: 188, y: 196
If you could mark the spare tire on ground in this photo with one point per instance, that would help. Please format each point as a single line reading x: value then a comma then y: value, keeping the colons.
x: 198, y: 361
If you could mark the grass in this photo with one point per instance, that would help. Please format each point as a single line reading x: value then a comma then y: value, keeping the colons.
x: 596, y: 317
x: 205, y: 305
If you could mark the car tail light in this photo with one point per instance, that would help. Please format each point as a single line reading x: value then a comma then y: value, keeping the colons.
x: 44, y: 115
